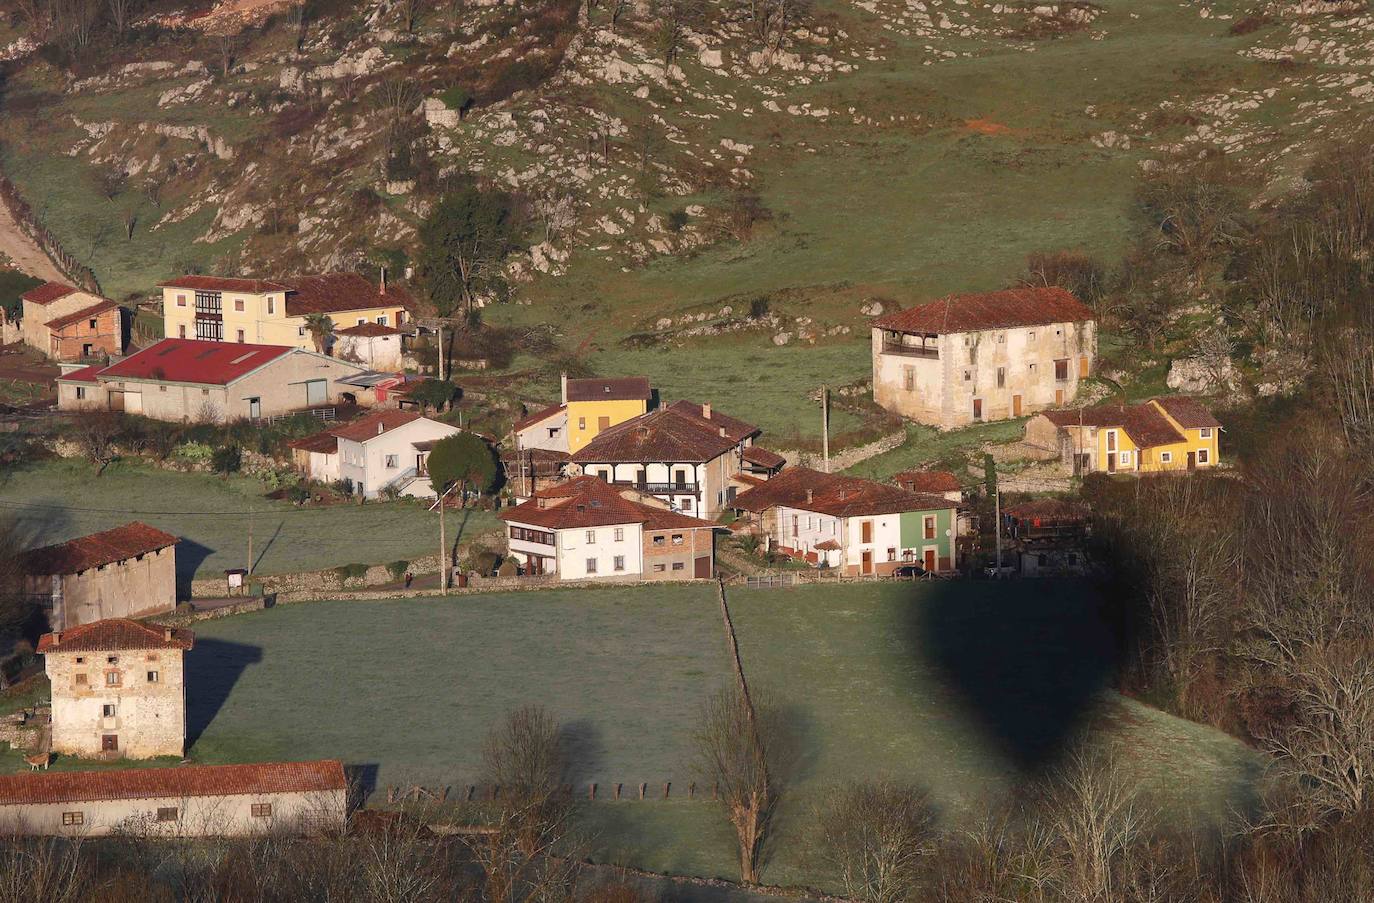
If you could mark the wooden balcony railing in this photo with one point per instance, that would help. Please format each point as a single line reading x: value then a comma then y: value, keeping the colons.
x: 926, y: 351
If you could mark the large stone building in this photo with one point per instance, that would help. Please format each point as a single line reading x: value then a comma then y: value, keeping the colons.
x: 972, y: 358
x: 186, y: 801
x: 273, y: 312
x: 69, y: 324
x: 129, y: 571
x: 118, y: 689
x: 186, y: 380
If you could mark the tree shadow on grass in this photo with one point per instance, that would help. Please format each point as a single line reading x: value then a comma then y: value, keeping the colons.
x: 1026, y: 660
x: 213, y: 667
x: 190, y: 556
x: 585, y: 751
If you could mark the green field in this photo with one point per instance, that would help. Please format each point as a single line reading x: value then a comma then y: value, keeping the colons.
x: 961, y: 687
x: 59, y: 499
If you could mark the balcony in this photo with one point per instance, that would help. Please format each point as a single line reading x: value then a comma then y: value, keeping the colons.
x: 896, y: 347
x: 661, y: 488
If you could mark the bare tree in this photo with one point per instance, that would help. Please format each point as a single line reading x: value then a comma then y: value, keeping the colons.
x: 96, y: 434
x: 44, y: 868
x: 121, y: 13
x: 409, y: 11
x: 112, y: 179
x: 877, y: 837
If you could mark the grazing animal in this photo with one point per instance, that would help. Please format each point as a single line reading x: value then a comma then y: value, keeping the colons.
x: 38, y: 760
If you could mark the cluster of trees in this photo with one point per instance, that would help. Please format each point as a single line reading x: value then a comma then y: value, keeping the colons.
x: 73, y: 24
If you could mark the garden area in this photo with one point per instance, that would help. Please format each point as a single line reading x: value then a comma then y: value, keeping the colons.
x: 963, y: 688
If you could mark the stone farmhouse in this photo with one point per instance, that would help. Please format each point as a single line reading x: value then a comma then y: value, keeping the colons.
x: 69, y: 324
x: 692, y: 457
x: 118, y: 689
x: 129, y: 571
x: 858, y: 526
x: 1160, y: 435
x: 273, y: 312
x: 185, y: 801
x: 585, y: 529
x: 973, y: 358
x: 186, y: 380
x: 594, y: 405
x: 371, y: 344
x: 383, y: 451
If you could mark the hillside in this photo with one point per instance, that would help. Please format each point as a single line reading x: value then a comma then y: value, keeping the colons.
x: 861, y: 150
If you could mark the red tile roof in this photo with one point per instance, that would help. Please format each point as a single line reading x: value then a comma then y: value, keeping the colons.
x: 84, y: 375
x: 990, y: 310
x: 658, y: 436
x: 335, y: 292
x: 172, y: 783
x: 762, y: 457
x: 113, y: 634
x: 94, y: 310
x: 223, y: 284
x: 624, y: 388
x: 325, y: 443
x: 1189, y: 412
x: 1049, y: 511
x: 587, y: 501
x: 539, y: 416
x: 107, y: 547
x: 368, y: 330
x: 195, y: 361
x: 706, y: 416
x: 927, y: 481
x: 375, y: 424
x: 836, y: 495
x: 1146, y: 426
x: 48, y: 292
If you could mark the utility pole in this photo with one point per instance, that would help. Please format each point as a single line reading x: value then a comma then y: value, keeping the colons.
x: 443, y: 541
x: 997, y: 525
x: 250, y: 545
x: 825, y: 428
x: 440, y: 349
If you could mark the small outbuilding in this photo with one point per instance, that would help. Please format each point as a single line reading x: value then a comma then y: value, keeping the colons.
x: 129, y: 571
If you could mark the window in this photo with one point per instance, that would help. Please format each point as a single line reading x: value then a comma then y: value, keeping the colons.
x: 73, y: 818
x: 271, y: 305
x: 80, y: 392
x: 238, y: 305
x: 381, y: 321
x: 93, y: 324
x: 1032, y: 369
x: 205, y: 391
x: 1111, y: 440
x: 686, y: 504
x: 108, y: 710
x: 81, y: 679
x: 553, y: 432
x: 168, y: 813
x: 1030, y: 336
x: 181, y: 300
x: 677, y: 539
x: 152, y: 677
x: 362, y: 321
x: 262, y: 810
x: 1061, y: 369
x: 968, y: 375
x: 660, y: 540
x: 111, y: 678
x: 677, y: 565
x: 1166, y: 457
x: 660, y: 568
x: 238, y: 334
x: 618, y: 563
x: 582, y: 423
x: 1001, y: 377
x: 909, y: 378
x: 591, y: 536
x: 162, y: 388
x: 1001, y: 338
x: 591, y: 565
x: 680, y: 478
x: 181, y: 331
x: 603, y: 423
x: 391, y: 460
x: 1203, y: 456
x: 300, y: 330
x: 619, y: 534
x: 1125, y: 459
x: 81, y: 660
x: 1205, y: 432
x: 929, y: 526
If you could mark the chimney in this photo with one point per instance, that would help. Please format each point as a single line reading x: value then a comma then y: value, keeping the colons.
x: 722, y: 432
x: 706, y: 411
x: 380, y: 428
x: 564, y: 380
x: 809, y: 495
x: 167, y: 634
x: 56, y: 637
x: 542, y: 503
x: 383, y: 281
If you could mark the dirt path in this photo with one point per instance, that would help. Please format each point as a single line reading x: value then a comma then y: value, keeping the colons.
x: 24, y: 252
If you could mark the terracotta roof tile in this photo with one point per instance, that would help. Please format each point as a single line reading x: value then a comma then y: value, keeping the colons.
x: 324, y: 443
x: 623, y: 388
x: 763, y: 457
x: 336, y: 292
x: 1190, y: 413
x: 48, y: 292
x: 375, y: 424
x: 224, y: 284
x: 94, y: 310
x: 174, y: 782
x: 1049, y: 510
x: 1146, y: 426
x: 106, y: 547
x: 538, y: 416
x: 113, y: 634
x: 927, y: 481
x: 990, y: 310
x: 658, y: 436
x: 836, y: 495
x: 587, y: 501
x: 368, y: 330
x: 713, y: 420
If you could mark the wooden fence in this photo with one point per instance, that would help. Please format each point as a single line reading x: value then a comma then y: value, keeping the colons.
x: 771, y: 581
x: 23, y: 214
x: 485, y: 793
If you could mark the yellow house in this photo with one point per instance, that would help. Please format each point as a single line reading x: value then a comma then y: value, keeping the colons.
x: 597, y: 404
x: 1162, y: 434
x: 273, y: 312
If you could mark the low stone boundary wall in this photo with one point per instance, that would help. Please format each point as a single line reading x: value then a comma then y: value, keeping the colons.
x: 843, y: 460
x: 313, y: 581
x: 185, y: 614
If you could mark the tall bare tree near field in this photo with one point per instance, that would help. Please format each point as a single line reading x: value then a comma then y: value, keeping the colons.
x: 121, y: 13
x: 877, y: 837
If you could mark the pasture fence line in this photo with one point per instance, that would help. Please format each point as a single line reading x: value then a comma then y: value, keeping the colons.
x: 23, y: 214
x: 641, y: 791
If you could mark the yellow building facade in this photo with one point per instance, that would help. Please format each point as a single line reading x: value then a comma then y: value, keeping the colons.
x: 263, y: 312
x: 1160, y: 435
x: 598, y: 404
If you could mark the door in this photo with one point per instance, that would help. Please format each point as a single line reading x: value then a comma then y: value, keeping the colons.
x: 116, y: 401
x: 315, y: 392
x: 866, y: 563
x: 1016, y: 406
x: 109, y: 743
x: 977, y: 409
x: 1192, y: 460
x: 930, y: 559
x: 701, y: 568
x: 1083, y: 367
x: 603, y: 423
x: 87, y: 350
x: 1111, y: 462
x: 255, y: 408
x: 1058, y: 396
x: 133, y: 402
x: 794, y: 525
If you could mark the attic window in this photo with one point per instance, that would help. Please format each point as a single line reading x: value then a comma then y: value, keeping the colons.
x: 596, y: 503
x: 581, y: 507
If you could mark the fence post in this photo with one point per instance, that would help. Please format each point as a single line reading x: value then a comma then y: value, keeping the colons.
x: 643, y: 786
x: 691, y: 790
x: 715, y: 791
x: 471, y: 792
x: 591, y: 790
x: 666, y: 786
x: 617, y: 791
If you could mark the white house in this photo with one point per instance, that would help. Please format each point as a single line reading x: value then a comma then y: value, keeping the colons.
x: 373, y: 344
x: 686, y: 454
x: 386, y: 448
x: 180, y: 801
x: 971, y: 358
x: 546, y: 430
x: 858, y: 526
x: 584, y: 529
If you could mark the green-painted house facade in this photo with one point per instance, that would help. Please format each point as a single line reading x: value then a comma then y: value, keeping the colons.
x: 915, y: 534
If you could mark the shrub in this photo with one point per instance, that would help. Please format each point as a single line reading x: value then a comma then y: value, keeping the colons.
x: 193, y: 452
x: 456, y: 98
x: 508, y: 568
x: 758, y: 308
x: 486, y: 562
x: 227, y: 459
x: 343, y: 486
x: 297, y: 494
x: 677, y: 220
x: 349, y: 572
x: 397, y: 569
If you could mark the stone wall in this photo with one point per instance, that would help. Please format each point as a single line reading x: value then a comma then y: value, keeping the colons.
x: 149, y: 715
x: 843, y: 460
x: 315, y: 581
